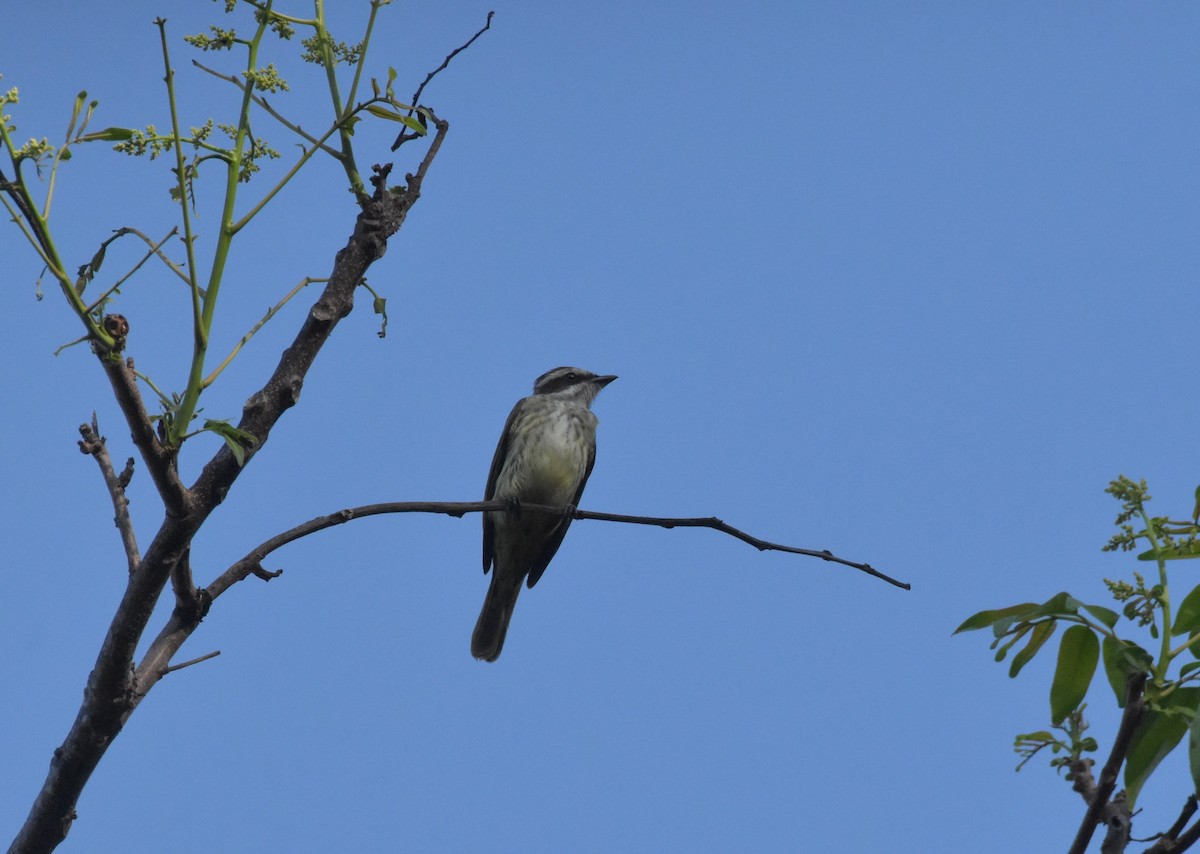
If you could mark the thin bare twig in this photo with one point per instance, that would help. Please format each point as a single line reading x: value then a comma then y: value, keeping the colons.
x: 95, y: 446
x: 271, y: 312
x: 251, y: 564
x: 155, y: 249
x: 175, y: 667
x: 1175, y: 840
x: 406, y: 135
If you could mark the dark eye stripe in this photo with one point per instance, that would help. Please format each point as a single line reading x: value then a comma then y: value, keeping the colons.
x: 548, y: 384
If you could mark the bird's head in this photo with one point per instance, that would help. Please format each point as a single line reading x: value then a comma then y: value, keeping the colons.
x: 573, y: 384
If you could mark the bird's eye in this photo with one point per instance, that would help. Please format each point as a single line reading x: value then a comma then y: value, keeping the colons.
x: 571, y: 375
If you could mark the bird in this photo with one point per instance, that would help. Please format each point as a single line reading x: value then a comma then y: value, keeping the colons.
x: 545, y: 456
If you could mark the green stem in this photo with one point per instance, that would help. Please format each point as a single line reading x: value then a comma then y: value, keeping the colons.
x: 1164, y: 656
x: 362, y: 54
x: 204, y: 309
x: 37, y: 232
x: 199, y: 331
x: 271, y: 312
x: 235, y: 227
x: 340, y: 115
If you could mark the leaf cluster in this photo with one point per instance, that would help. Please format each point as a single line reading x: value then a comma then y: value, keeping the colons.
x: 1090, y: 636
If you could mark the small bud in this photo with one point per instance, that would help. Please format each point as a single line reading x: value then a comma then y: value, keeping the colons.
x: 118, y: 327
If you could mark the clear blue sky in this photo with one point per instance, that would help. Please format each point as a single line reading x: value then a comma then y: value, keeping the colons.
x: 908, y: 281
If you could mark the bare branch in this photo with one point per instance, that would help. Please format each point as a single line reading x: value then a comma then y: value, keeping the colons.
x: 175, y: 667
x: 159, y: 459
x: 1175, y: 840
x: 187, y: 597
x: 1099, y: 805
x: 95, y: 446
x: 115, y: 687
x: 155, y: 249
x: 382, y: 216
x: 251, y: 564
x: 416, y: 98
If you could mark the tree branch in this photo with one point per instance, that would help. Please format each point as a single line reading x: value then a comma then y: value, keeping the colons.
x: 114, y: 688
x: 156, y: 662
x: 159, y: 459
x: 94, y: 445
x: 251, y: 564
x: 416, y: 98
x: 1098, y: 804
x: 1175, y: 840
x: 382, y: 216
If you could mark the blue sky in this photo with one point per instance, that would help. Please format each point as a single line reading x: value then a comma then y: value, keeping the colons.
x: 911, y: 282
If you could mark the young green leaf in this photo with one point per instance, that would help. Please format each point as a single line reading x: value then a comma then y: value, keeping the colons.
x: 986, y: 618
x: 1104, y: 615
x: 1041, y: 633
x: 1155, y: 737
x: 414, y: 125
x: 1013, y: 640
x: 236, y: 440
x: 1077, y: 657
x: 1187, y: 618
x: 1194, y: 752
x: 1059, y: 604
x: 383, y: 113
x: 1179, y: 551
x: 1121, y: 658
x: 108, y: 135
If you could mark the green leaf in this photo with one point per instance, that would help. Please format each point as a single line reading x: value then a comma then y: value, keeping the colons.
x: 384, y: 113
x: 1196, y: 511
x: 236, y: 440
x: 1013, y: 639
x: 1041, y: 633
x: 1155, y: 737
x: 1181, y: 701
x: 1040, y: 735
x: 1122, y: 658
x: 379, y: 305
x: 1104, y: 615
x: 1187, y: 618
x: 1194, y: 752
x: 1190, y: 667
x: 1060, y: 604
x: 986, y: 618
x: 108, y: 135
x: 1179, y: 551
x: 1077, y: 657
x: 413, y: 125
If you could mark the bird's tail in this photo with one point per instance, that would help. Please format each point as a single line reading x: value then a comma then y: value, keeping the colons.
x: 492, y: 626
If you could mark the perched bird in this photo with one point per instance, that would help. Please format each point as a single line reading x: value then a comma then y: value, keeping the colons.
x: 545, y: 456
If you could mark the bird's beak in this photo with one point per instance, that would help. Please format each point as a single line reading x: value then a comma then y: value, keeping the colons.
x: 603, y: 381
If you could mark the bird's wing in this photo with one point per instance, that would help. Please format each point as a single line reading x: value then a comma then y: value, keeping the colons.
x: 489, y: 529
x: 556, y: 536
